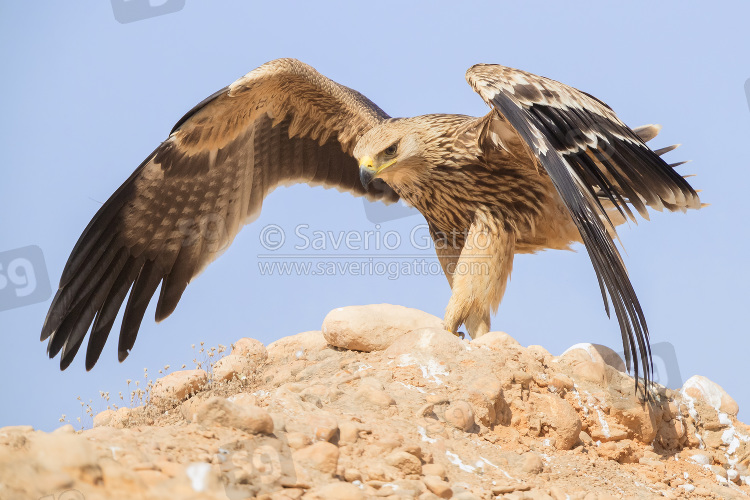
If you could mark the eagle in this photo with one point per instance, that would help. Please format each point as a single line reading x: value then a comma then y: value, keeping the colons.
x: 546, y: 167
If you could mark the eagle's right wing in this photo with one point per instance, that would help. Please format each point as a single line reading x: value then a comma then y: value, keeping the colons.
x: 282, y: 123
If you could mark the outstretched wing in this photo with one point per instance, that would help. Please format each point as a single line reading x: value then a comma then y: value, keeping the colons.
x: 589, y: 154
x: 281, y: 123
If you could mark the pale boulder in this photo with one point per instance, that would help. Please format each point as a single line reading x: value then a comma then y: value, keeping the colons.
x: 373, y: 327
x: 699, y: 387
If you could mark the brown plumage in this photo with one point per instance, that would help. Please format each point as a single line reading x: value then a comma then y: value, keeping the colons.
x: 547, y: 166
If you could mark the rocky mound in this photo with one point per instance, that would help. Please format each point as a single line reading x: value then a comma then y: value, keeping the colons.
x: 383, y: 403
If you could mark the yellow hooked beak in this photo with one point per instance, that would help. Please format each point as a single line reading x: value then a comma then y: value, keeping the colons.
x: 368, y: 171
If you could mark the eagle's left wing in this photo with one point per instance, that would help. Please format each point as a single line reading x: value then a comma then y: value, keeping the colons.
x: 589, y: 154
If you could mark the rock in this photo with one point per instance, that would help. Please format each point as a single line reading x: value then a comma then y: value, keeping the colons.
x: 252, y: 349
x: 243, y: 399
x: 65, y: 429
x: 233, y: 366
x: 348, y: 432
x: 341, y: 491
x: 178, y: 386
x: 219, y: 411
x: 316, y: 422
x: 499, y: 341
x: 431, y: 350
x: 483, y: 409
x: 591, y: 372
x: 560, y: 417
x: 437, y: 486
x: 115, y: 476
x: 405, y: 462
x: 460, y: 415
x: 488, y: 385
x: 103, y: 418
x: 352, y: 475
x: 57, y: 451
x: 638, y: 419
x: 434, y: 470
x: 595, y: 353
x: 376, y: 397
x: 701, y: 458
x: 113, y: 418
x: 560, y: 383
x: 321, y: 456
x: 297, y: 440
x: 324, y: 427
x: 532, y: 463
x: 288, y: 349
x: 698, y: 387
x: 373, y: 327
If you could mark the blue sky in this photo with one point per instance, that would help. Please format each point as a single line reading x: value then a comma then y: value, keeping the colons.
x: 86, y: 99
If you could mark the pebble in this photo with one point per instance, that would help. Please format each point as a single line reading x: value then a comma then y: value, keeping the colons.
x: 377, y: 397
x: 324, y: 427
x: 341, y: 491
x: 437, y: 486
x: 700, y: 458
x: 499, y: 341
x: 434, y: 470
x: 460, y: 415
x: 178, y: 386
x: 590, y: 372
x: 231, y: 367
x: 733, y: 475
x: 532, y: 463
x: 561, y: 419
x: 348, y: 432
x: 297, y: 440
x: 113, y: 418
x: 219, y: 411
x: 405, y: 462
x: 322, y: 456
x: 561, y: 382
x: 55, y: 451
x: 501, y: 489
x: 373, y: 327
x: 252, y: 349
x: 65, y: 429
x: 352, y: 475
x: 719, y: 471
x: 557, y: 493
x: 426, y: 345
x: 289, y: 349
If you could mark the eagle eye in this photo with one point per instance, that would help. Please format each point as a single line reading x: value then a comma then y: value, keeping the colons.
x: 391, y: 150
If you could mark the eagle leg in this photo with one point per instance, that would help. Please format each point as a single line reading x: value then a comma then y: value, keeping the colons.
x: 479, y: 276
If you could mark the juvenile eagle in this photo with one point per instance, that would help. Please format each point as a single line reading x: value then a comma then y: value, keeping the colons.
x: 549, y: 165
